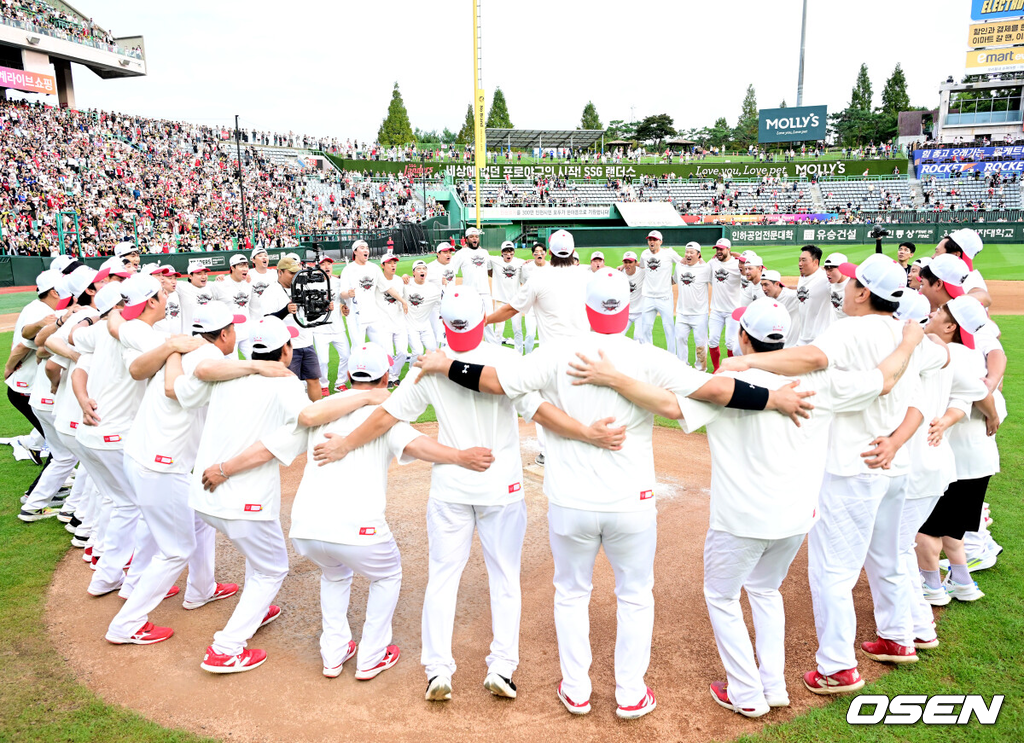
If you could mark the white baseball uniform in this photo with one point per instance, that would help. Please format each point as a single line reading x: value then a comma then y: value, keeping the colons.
x: 391, y: 332
x: 836, y: 292
x: 332, y: 334
x: 691, y: 307
x: 368, y: 281
x: 816, y: 312
x: 190, y: 297
x: 529, y: 318
x: 788, y: 299
x: 235, y: 295
x: 260, y: 282
x: 424, y: 303
x: 171, y: 324
x: 657, y: 293
x: 461, y: 501
x: 636, y: 302
x: 474, y: 264
x: 440, y: 275
x: 726, y: 296
x: 507, y: 280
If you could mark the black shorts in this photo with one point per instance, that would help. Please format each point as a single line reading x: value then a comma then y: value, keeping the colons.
x: 305, y: 364
x: 958, y: 510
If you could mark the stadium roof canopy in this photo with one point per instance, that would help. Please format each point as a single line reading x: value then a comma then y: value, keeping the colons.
x: 530, y: 138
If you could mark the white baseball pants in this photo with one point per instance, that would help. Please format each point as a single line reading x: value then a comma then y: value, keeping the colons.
x: 629, y: 541
x: 915, y: 512
x: 634, y: 321
x: 718, y: 320
x: 517, y: 328
x: 62, y: 462
x: 382, y: 566
x: 530, y: 323
x: 450, y: 529
x: 421, y: 341
x: 106, y: 466
x: 489, y: 330
x: 266, y: 565
x: 654, y: 306
x: 322, y: 342
x: 86, y: 497
x: 181, y: 539
x: 859, y: 526
x: 437, y: 325
x: 759, y: 566
x: 395, y: 342
x: 698, y: 325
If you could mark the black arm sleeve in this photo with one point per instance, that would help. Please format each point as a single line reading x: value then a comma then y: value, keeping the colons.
x: 466, y: 375
x: 746, y: 396
x: 281, y: 314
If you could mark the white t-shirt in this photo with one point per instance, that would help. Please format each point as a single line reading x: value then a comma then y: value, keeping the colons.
x: 467, y: 419
x: 974, y: 451
x: 585, y: 477
x: 692, y: 285
x: 165, y: 436
x: 277, y: 297
x: 190, y: 297
x: 424, y: 302
x: 506, y: 278
x: 861, y: 344
x: 975, y: 281
x: 353, y: 514
x: 816, y: 311
x: 21, y: 380
x: 117, y: 395
x: 67, y: 413
x: 788, y: 299
x: 368, y: 281
x: 836, y: 292
x: 242, y: 412
x: 235, y: 295
x: 725, y: 284
x: 558, y: 299
x: 437, y: 271
x: 750, y: 291
x: 473, y: 264
x: 636, y: 291
x: 171, y: 324
x: 43, y: 397
x: 766, y: 472
x: 260, y: 282
x: 658, y: 271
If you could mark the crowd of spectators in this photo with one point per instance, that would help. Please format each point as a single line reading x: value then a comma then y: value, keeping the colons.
x: 49, y: 20
x: 172, y: 184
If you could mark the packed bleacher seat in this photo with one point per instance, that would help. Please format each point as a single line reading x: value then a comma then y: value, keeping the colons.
x: 992, y: 193
x: 870, y: 196
x: 41, y: 17
x: 167, y: 182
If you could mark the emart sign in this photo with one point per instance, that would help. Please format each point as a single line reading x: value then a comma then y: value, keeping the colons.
x: 803, y: 124
x: 983, y: 61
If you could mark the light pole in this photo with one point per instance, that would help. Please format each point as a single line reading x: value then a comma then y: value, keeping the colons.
x: 241, y: 183
x: 800, y: 78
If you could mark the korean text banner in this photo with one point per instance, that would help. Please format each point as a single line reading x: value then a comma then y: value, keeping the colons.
x: 988, y: 10
x: 1002, y: 33
x: 33, y: 82
x: 803, y: 124
x: 1010, y: 59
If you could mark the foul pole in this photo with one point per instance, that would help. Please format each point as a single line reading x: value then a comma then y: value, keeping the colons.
x: 479, y: 112
x: 800, y: 78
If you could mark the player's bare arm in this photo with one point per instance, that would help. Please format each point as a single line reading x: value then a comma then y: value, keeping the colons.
x: 79, y: 383
x: 224, y: 370
x: 18, y: 354
x: 53, y: 372
x: 477, y: 458
x: 937, y: 428
x: 503, y: 313
x: 987, y: 408
x: 337, y: 447
x: 885, y: 447
x: 788, y: 362
x: 599, y: 433
x: 254, y: 456
x: 153, y: 361
x: 436, y: 362
x: 114, y: 322
x: 332, y: 408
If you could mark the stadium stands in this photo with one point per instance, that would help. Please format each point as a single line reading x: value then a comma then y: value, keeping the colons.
x: 965, y: 193
x: 43, y: 18
x: 871, y: 196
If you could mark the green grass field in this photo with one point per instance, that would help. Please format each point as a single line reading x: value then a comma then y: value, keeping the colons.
x: 981, y: 651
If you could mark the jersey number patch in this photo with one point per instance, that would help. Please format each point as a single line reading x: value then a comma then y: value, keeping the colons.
x: 253, y: 507
x: 646, y: 494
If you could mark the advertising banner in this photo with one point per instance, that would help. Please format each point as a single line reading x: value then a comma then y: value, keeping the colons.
x: 945, y: 163
x: 982, y: 61
x: 546, y: 212
x: 990, y: 10
x: 995, y: 34
x: 803, y: 124
x: 480, y: 127
x: 33, y: 82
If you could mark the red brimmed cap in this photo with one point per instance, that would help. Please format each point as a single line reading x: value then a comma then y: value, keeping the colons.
x: 136, y: 291
x: 764, y: 319
x: 608, y: 302
x: 464, y: 318
x: 970, y: 315
x: 882, y: 276
x: 951, y: 271
x: 368, y: 362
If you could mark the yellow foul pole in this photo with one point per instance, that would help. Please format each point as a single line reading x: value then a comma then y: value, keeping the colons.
x: 479, y: 115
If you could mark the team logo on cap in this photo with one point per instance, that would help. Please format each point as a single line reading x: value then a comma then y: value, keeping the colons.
x: 610, y: 305
x: 366, y: 282
x: 721, y: 275
x: 459, y: 325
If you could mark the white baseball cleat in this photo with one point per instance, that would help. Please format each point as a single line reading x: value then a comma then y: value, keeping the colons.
x: 576, y: 708
x: 439, y: 689
x: 641, y: 708
x: 221, y: 591
x: 500, y: 686
x: 336, y: 670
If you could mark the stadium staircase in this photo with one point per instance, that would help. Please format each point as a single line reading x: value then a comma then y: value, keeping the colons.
x: 816, y: 199
x: 917, y: 191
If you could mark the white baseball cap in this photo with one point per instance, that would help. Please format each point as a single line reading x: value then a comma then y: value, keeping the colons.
x: 75, y: 283
x: 771, y: 275
x: 724, y: 242
x: 655, y: 234
x: 951, y: 271
x: 764, y: 319
x: 125, y: 248
x: 693, y: 245
x: 462, y: 311
x: 608, y: 302
x: 969, y: 242
x: 597, y: 254
x: 136, y: 291
x: 368, y: 362
x: 470, y: 231
x: 418, y: 264
x: 115, y: 267
x: 913, y: 306
x: 835, y: 260
x: 922, y: 262
x: 442, y: 247
x: 561, y: 243
x: 360, y: 244
x: 196, y: 266
x: 258, y: 251
x: 61, y: 262
x: 742, y: 257
x: 970, y: 315
x: 270, y: 334
x: 882, y: 276
x: 213, y: 316
x: 47, y: 280
x: 108, y: 297
x: 754, y: 260
x: 238, y: 259
x: 388, y: 256
x: 629, y: 255
x: 507, y: 245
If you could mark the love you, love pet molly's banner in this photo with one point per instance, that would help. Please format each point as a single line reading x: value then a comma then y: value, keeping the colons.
x: 799, y: 124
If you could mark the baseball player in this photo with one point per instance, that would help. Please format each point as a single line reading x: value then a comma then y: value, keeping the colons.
x: 943, y: 279
x: 751, y: 268
x: 195, y: 292
x: 246, y: 504
x: 771, y: 284
x: 333, y: 333
x: 862, y: 494
x: 462, y: 502
x: 914, y: 275
x: 657, y: 264
x: 837, y: 281
x: 596, y: 261
x: 601, y: 498
x: 525, y: 272
x: 262, y: 277
x: 168, y: 277
x: 636, y: 292
x: 815, y: 297
x: 474, y: 263
x: 693, y: 276
x: 394, y: 334
x: 364, y: 281
x: 505, y: 270
x: 725, y: 297
x: 424, y: 299
x: 760, y: 513
x: 234, y: 291
x: 440, y: 273
x: 965, y: 244
x: 129, y: 255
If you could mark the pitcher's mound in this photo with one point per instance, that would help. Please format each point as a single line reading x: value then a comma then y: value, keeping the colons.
x: 288, y: 699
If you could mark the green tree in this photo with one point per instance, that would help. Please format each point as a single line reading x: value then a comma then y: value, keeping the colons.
x: 466, y: 134
x: 448, y: 136
x: 720, y: 133
x: 395, y: 129
x: 498, y: 116
x: 783, y: 104
x: 861, y: 96
x: 655, y: 128
x: 590, y: 119
x: 894, y: 95
x: 619, y: 129
x: 745, y: 132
